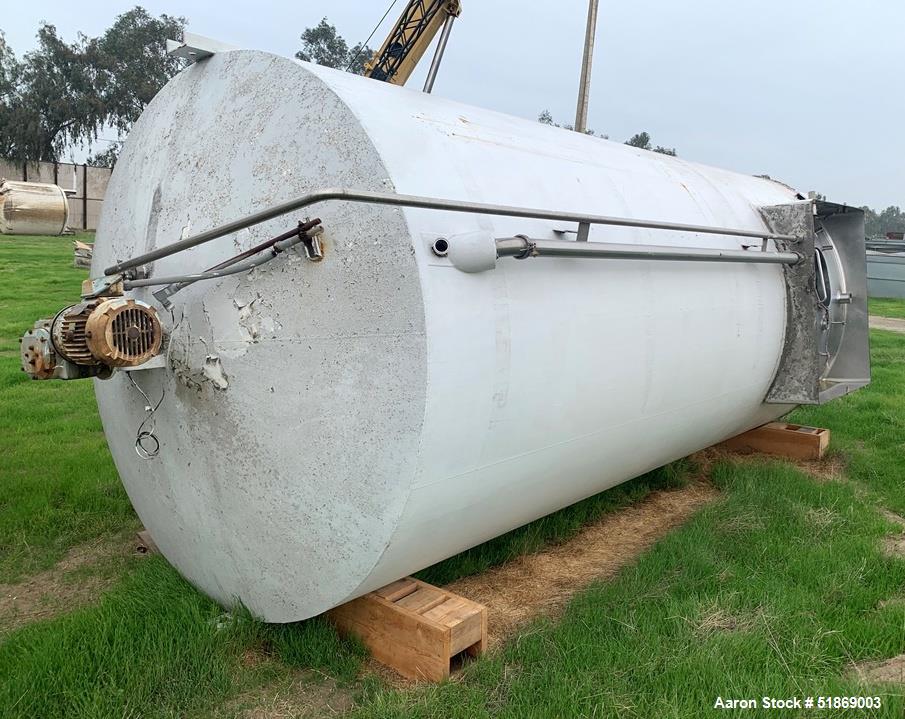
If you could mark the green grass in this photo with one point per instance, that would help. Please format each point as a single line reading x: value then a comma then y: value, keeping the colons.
x: 153, y: 647
x: 58, y: 485
x: 776, y: 589
x: 883, y: 307
x: 869, y: 426
x: 773, y: 592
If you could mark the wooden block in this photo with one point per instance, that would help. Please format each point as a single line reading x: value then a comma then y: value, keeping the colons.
x: 783, y: 440
x: 414, y: 627
x: 398, y: 589
x: 466, y: 626
x: 422, y: 599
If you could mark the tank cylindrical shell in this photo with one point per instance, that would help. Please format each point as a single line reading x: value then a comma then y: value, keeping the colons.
x: 329, y: 427
x: 32, y: 208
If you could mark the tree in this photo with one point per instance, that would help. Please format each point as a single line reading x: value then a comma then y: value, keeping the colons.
x: 358, y: 58
x: 9, y: 111
x: 62, y: 94
x: 54, y: 102
x: 642, y: 140
x: 105, y: 158
x: 321, y: 44
x: 877, y: 224
x: 132, y: 65
x: 545, y: 118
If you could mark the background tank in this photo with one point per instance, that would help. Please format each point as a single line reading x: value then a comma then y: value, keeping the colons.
x: 32, y: 208
x: 328, y: 428
x: 886, y: 268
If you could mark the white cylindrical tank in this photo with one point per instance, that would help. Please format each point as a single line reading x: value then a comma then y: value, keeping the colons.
x: 329, y: 427
x: 32, y: 208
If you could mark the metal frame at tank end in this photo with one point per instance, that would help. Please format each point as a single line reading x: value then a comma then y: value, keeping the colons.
x: 826, y: 352
x: 850, y: 369
x: 193, y: 47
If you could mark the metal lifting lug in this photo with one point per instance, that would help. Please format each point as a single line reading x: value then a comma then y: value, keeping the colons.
x: 314, y: 252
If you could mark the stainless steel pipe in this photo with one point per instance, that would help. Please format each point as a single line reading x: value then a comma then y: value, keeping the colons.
x: 431, y: 203
x: 524, y: 247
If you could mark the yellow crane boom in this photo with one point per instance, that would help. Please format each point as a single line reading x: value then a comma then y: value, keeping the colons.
x: 409, y: 39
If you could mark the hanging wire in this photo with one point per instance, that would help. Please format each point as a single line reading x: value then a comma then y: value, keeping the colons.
x: 147, y: 446
x: 363, y: 45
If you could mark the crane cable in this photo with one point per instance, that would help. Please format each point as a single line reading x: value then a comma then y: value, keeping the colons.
x: 363, y: 45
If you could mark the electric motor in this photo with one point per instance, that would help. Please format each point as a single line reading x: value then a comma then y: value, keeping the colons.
x: 91, y: 338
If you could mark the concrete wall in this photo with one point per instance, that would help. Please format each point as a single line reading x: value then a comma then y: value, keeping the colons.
x: 84, y: 208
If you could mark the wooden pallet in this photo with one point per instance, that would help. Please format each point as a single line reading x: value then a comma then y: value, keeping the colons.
x: 782, y: 439
x: 414, y: 627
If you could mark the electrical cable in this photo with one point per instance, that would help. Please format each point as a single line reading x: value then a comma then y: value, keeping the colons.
x: 363, y: 45
x: 144, y: 437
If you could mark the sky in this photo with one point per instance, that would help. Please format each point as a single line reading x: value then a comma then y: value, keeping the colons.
x: 810, y: 92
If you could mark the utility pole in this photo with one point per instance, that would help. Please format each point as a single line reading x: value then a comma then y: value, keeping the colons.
x: 584, y: 86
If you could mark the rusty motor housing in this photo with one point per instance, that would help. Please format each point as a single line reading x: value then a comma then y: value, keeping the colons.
x: 91, y: 339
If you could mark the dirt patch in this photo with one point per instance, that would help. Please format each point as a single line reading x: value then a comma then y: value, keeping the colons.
x: 893, y: 602
x: 302, y: 695
x: 892, y: 517
x: 886, y: 323
x: 715, y: 620
x: 829, y: 469
x: 822, y: 518
x: 69, y: 584
x: 743, y: 523
x: 253, y: 657
x: 542, y: 583
x: 888, y: 671
x: 894, y: 546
